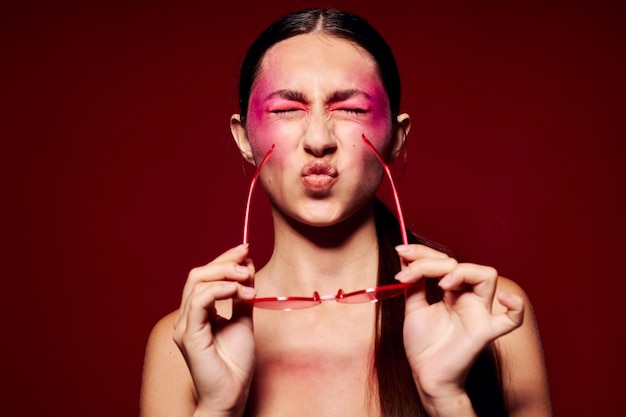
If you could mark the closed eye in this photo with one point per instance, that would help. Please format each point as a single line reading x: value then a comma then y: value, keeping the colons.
x: 354, y: 110
x: 286, y: 110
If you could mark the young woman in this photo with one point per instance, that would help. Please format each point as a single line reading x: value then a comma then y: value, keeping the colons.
x: 445, y: 339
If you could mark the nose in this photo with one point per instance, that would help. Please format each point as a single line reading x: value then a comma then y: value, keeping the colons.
x: 319, y: 138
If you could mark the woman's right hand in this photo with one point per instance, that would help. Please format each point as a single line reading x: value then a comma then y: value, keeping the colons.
x: 219, y: 351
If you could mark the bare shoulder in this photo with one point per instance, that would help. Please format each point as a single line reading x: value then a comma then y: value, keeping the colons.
x: 163, y: 329
x: 524, y: 375
x: 160, y: 344
x: 167, y: 387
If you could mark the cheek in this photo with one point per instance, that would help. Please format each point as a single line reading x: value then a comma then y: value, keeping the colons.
x: 262, y: 135
x: 259, y: 131
x: 381, y: 114
x: 378, y: 127
x: 378, y: 132
x: 254, y: 121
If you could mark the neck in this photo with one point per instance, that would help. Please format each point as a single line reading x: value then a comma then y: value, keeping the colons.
x: 324, y: 259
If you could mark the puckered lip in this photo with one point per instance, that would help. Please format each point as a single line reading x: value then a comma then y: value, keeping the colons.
x: 319, y: 167
x: 318, y: 174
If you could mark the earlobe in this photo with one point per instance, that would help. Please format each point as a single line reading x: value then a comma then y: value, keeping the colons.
x: 238, y: 130
x: 400, y: 132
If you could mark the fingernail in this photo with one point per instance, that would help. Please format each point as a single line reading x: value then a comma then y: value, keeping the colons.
x: 245, y: 290
x: 403, y: 274
x: 403, y: 248
x: 446, y: 280
x: 242, y: 247
x: 242, y: 269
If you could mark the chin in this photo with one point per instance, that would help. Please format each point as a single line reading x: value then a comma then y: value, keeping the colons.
x: 319, y: 221
x: 321, y: 216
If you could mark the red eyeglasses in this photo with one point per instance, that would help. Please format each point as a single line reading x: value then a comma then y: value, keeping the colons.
x: 368, y: 295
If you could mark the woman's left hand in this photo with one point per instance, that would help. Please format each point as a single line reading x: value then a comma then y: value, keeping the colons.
x: 443, y: 340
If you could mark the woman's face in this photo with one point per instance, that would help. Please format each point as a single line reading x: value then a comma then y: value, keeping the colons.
x: 314, y: 97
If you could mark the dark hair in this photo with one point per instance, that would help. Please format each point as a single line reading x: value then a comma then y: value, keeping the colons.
x: 332, y: 22
x: 397, y: 393
x: 396, y: 389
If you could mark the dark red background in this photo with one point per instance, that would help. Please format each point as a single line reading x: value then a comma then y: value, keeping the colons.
x: 119, y: 175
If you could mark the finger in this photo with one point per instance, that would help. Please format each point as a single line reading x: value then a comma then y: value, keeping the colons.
x: 482, y: 279
x: 226, y: 270
x: 234, y: 256
x: 426, y: 267
x: 242, y: 309
x: 416, y: 297
x: 191, y: 294
x: 201, y: 319
x: 237, y: 253
x: 219, y: 270
x: 246, y: 277
x: 238, y: 268
x: 200, y: 277
x: 200, y: 309
x: 181, y: 319
x: 246, y: 292
x: 414, y: 252
x: 514, y: 316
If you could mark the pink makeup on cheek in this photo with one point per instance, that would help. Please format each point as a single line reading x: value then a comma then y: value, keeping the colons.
x: 380, y: 108
x: 255, y: 107
x: 378, y: 124
x: 260, y: 132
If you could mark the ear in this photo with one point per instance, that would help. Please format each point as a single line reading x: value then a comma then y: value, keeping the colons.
x: 238, y: 130
x: 400, y: 132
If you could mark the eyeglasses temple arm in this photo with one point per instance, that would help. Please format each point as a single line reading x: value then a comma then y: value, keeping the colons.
x: 380, y: 159
x: 405, y: 239
x: 252, y: 184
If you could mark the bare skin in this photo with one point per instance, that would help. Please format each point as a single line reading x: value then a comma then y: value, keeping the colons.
x: 317, y: 361
x: 291, y: 350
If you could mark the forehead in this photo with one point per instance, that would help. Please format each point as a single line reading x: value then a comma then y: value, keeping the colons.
x: 314, y: 54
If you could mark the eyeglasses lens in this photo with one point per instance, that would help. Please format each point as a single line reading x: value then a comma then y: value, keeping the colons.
x: 286, y: 303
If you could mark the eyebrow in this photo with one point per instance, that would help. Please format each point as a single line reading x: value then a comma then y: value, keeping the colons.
x: 291, y: 95
x: 342, y: 95
x: 335, y: 97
